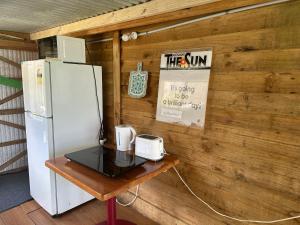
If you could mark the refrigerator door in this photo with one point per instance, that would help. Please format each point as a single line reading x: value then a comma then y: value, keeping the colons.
x: 36, y: 87
x: 40, y: 149
x: 75, y: 120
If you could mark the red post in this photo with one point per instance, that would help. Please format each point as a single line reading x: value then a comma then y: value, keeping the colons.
x: 112, y: 215
x: 111, y: 212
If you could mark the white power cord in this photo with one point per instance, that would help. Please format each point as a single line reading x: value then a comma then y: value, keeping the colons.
x: 230, y: 217
x: 132, y: 201
x: 209, y: 206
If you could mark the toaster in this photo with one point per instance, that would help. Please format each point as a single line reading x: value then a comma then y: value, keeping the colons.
x: 149, y: 147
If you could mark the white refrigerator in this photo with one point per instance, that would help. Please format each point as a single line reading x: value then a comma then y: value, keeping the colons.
x: 63, y: 111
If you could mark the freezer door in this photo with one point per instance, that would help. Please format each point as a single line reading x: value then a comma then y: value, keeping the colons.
x: 37, y: 87
x: 40, y: 148
x: 75, y: 120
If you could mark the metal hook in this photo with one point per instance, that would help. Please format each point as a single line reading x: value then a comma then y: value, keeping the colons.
x: 139, y: 66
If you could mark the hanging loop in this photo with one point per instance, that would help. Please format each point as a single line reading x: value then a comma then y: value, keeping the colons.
x: 139, y: 66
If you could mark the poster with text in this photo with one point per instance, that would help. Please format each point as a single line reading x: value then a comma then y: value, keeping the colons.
x: 183, y: 87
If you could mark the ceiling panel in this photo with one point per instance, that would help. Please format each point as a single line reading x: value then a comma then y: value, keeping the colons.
x: 36, y: 15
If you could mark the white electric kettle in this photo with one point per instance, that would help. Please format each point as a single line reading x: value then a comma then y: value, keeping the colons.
x: 125, y: 137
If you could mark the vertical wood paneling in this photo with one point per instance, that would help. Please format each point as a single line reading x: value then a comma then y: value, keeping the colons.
x: 101, y: 54
x: 116, y: 76
x: 245, y: 162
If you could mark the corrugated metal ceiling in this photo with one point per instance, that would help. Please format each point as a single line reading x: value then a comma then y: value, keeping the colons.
x: 36, y: 15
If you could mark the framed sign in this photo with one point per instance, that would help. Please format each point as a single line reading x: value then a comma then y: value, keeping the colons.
x: 183, y: 87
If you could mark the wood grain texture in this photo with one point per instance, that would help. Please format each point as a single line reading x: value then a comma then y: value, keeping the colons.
x: 13, y: 159
x: 97, y: 50
x: 177, y: 16
x: 91, y: 213
x: 14, y: 142
x: 30, y: 206
x: 11, y: 111
x: 11, y: 97
x: 10, y: 62
x: 14, y: 125
x: 102, y: 187
x: 116, y: 77
x: 17, y: 170
x: 15, y: 216
x: 18, y: 45
x: 245, y: 161
x: 22, y: 36
x: 152, y: 12
x: 139, y: 11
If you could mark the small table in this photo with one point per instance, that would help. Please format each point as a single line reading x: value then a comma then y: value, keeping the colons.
x: 106, y: 188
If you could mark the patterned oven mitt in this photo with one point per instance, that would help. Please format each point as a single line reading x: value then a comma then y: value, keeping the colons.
x: 137, y: 86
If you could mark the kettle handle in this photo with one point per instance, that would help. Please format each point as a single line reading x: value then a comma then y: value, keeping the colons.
x: 133, y: 135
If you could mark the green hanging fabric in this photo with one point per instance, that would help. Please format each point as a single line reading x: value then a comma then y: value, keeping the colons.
x: 10, y: 82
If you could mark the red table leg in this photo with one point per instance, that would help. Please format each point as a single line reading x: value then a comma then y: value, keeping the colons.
x: 112, y: 215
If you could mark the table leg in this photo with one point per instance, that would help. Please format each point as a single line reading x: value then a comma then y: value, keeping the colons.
x: 112, y: 215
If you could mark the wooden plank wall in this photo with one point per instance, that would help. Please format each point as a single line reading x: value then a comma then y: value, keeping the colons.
x: 246, y: 160
x: 101, y: 54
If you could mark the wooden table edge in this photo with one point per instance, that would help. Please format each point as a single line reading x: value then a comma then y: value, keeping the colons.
x: 108, y: 196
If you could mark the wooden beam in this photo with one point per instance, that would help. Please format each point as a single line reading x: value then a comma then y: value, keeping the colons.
x: 152, y: 12
x: 18, y: 45
x: 11, y: 111
x: 179, y: 15
x: 14, y: 125
x: 150, y: 8
x: 4, y: 59
x: 18, y: 35
x: 117, y: 76
x: 11, y: 97
x: 12, y: 160
x: 14, y: 142
x: 19, y: 169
